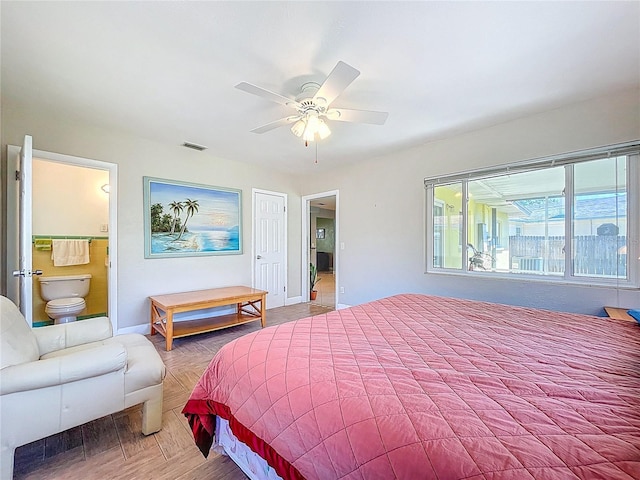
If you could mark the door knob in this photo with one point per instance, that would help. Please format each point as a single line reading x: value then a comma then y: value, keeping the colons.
x: 259, y: 257
x: 22, y: 273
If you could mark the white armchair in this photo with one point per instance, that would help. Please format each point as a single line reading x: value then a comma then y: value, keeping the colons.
x: 58, y: 377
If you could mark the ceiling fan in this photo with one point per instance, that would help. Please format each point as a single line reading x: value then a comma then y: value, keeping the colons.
x: 313, y: 105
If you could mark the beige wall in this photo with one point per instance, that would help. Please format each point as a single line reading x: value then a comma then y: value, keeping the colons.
x: 377, y: 261
x: 138, y: 278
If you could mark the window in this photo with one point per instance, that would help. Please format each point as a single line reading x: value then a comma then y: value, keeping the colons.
x: 447, y: 233
x: 438, y: 228
x: 517, y: 219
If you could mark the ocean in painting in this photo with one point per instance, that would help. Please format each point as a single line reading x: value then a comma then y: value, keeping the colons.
x: 200, y: 241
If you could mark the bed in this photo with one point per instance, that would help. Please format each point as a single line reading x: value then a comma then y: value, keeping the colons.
x: 418, y: 386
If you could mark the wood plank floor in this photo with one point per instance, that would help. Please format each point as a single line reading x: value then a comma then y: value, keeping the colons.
x: 113, y: 447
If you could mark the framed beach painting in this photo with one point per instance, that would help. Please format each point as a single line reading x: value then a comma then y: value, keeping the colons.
x: 185, y: 219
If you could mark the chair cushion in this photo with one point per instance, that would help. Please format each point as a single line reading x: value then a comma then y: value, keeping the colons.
x: 58, y: 370
x: 144, y: 366
x: 17, y: 342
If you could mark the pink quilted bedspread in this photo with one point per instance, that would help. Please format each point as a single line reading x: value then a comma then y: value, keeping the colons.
x: 416, y: 386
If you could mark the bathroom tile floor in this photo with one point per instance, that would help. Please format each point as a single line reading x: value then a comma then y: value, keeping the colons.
x: 113, y: 447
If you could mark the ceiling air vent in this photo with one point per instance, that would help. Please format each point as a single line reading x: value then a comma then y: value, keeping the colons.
x: 194, y: 146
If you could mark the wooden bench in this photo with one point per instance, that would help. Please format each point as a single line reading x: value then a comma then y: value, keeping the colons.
x: 250, y: 306
x: 619, y: 313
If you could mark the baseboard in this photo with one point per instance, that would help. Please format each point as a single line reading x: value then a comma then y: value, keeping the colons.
x: 142, y: 329
x: 342, y: 306
x: 92, y: 315
x: 293, y: 300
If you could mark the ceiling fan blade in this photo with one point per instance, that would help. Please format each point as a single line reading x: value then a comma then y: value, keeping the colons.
x: 357, y: 116
x: 272, y: 96
x: 278, y: 123
x: 340, y: 78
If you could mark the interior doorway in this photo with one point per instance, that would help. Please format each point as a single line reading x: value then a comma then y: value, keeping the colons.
x: 321, y: 214
x: 56, y: 215
x: 59, y: 183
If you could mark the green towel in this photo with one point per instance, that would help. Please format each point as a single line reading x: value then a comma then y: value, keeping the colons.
x: 42, y: 243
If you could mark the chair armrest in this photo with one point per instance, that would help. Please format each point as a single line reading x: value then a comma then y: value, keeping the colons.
x: 76, y: 366
x: 65, y: 335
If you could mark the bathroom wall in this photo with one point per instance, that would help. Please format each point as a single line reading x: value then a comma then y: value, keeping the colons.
x: 97, y: 298
x: 68, y: 201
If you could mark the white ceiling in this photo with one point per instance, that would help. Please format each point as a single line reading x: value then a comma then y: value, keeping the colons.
x: 324, y: 203
x: 166, y: 70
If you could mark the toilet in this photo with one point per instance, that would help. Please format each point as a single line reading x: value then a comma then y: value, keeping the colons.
x: 64, y: 296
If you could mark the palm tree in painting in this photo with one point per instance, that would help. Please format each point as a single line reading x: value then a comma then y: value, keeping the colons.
x: 191, y: 207
x: 176, y: 208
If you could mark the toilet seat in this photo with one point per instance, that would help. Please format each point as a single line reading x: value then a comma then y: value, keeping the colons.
x: 64, y: 304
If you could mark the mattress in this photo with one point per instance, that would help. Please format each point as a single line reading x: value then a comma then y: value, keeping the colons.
x: 253, y: 465
x: 418, y: 386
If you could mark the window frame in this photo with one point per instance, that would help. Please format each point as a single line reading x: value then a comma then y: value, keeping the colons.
x: 631, y: 150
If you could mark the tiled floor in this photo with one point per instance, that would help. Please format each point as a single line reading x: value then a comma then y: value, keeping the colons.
x: 113, y: 447
x: 326, y: 288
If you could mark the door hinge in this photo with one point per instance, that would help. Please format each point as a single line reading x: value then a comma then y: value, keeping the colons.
x: 284, y: 209
x: 18, y: 175
x: 284, y: 288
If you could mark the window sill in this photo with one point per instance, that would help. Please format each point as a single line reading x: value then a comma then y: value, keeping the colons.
x: 542, y: 279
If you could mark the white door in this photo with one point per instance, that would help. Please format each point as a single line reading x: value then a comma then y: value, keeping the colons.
x: 270, y: 246
x: 24, y: 242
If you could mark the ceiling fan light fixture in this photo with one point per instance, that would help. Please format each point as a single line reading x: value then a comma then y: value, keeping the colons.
x: 313, y: 122
x: 333, y: 114
x: 323, y: 130
x: 309, y: 135
x: 313, y: 106
x: 298, y: 128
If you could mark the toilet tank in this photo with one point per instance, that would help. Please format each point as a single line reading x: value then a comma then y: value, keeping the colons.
x: 64, y: 286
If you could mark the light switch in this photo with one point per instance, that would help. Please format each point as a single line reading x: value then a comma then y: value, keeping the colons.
x: 104, y: 227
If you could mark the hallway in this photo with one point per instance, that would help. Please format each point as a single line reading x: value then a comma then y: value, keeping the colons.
x: 326, y: 287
